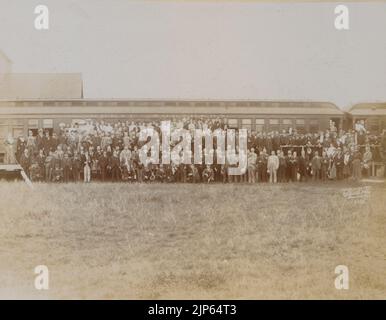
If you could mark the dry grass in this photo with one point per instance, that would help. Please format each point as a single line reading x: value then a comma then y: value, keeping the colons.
x: 191, y: 241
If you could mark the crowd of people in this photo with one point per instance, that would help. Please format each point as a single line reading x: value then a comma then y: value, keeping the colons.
x: 101, y: 151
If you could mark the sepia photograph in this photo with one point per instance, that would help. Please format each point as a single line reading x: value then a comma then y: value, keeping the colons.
x: 192, y: 150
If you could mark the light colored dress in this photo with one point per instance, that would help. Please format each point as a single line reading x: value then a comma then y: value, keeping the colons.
x: 9, y: 151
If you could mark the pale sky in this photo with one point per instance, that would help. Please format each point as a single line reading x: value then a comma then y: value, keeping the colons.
x: 164, y: 50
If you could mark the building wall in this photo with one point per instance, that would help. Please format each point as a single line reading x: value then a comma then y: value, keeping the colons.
x: 41, y: 86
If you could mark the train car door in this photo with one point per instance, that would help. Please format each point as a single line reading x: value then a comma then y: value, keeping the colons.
x: 337, y: 123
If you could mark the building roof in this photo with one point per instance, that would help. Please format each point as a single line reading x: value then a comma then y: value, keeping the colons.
x: 369, y: 109
x: 41, y: 86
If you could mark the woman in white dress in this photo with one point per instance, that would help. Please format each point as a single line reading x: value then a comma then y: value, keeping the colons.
x: 9, y: 150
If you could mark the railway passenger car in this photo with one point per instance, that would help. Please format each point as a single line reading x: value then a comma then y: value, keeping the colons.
x: 19, y: 116
x: 373, y: 115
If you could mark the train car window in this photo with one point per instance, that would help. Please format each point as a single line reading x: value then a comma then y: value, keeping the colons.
x: 373, y: 125
x: 33, y: 125
x: 300, y: 125
x: 3, y: 132
x: 232, y: 123
x: 17, y: 122
x: 77, y: 122
x: 48, y: 125
x: 259, y: 125
x: 246, y: 124
x: 274, y: 125
x: 17, y: 132
x: 286, y: 124
x: 2, y: 157
x: 314, y: 125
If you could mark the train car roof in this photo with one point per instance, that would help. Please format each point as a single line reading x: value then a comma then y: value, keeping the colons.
x: 368, y: 109
x: 170, y: 105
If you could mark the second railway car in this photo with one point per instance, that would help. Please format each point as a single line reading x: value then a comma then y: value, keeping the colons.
x: 373, y: 115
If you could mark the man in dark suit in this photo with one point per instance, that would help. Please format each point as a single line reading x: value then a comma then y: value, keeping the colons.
x: 76, y: 166
x: 262, y: 160
x: 40, y: 160
x: 47, y: 143
x: 40, y: 140
x: 339, y: 163
x: 288, y: 173
x: 20, y: 147
x: 282, y: 166
x: 316, y: 165
x: 115, y: 167
x: 294, y: 167
x: 67, y: 167
x: 103, y: 165
x: 25, y: 161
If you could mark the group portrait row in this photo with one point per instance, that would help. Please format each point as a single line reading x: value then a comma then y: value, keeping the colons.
x: 96, y: 150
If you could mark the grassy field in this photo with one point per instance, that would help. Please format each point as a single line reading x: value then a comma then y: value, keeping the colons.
x: 118, y: 241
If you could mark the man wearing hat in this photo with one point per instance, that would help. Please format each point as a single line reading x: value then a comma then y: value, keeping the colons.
x: 262, y: 166
x: 252, y: 158
x: 367, y: 159
x: 47, y: 143
x: 272, y: 167
x: 316, y: 165
x: 40, y: 140
x: 339, y: 163
x: 25, y: 161
x: 282, y: 166
x: 288, y: 158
